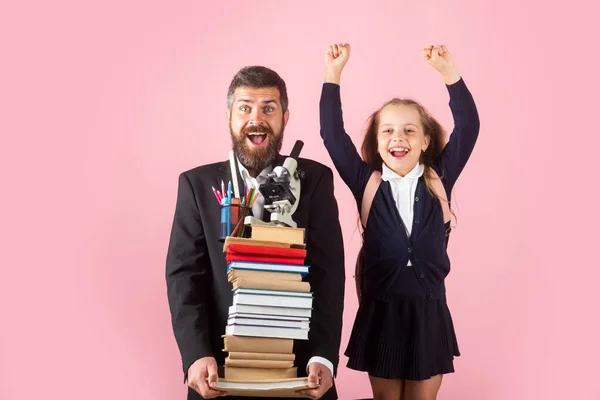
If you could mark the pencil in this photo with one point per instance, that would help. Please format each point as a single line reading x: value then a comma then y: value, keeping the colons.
x: 253, y: 199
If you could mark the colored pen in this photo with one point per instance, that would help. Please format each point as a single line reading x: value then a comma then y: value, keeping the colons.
x: 216, y: 194
x: 229, y: 187
x: 222, y: 189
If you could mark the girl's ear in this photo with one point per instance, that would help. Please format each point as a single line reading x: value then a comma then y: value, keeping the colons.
x: 426, y: 141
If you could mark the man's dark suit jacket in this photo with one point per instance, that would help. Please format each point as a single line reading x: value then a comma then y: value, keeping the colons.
x: 198, y: 292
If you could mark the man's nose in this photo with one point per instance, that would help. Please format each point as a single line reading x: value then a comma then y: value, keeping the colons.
x: 256, y: 118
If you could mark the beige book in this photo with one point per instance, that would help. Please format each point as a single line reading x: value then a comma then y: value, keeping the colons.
x: 239, y: 355
x: 278, y: 234
x: 232, y: 362
x: 253, y: 242
x: 264, y: 388
x: 271, y: 284
x: 275, y: 276
x: 257, y: 374
x: 258, y: 344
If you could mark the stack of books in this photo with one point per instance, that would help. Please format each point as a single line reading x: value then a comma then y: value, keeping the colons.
x: 271, y: 308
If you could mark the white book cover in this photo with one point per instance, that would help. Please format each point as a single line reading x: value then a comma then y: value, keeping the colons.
x: 276, y: 317
x: 270, y: 311
x: 271, y: 300
x: 268, y: 332
x: 268, y: 322
x: 301, y: 269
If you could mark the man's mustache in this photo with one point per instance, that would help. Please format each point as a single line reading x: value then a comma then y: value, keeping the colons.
x: 257, y: 129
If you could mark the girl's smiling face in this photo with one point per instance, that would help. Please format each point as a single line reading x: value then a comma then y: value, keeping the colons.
x: 400, y: 137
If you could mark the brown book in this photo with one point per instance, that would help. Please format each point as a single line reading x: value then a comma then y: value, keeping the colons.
x: 253, y: 242
x: 271, y: 284
x: 269, y: 364
x: 261, y: 356
x: 259, y: 374
x: 276, y: 276
x: 278, y: 234
x: 257, y: 344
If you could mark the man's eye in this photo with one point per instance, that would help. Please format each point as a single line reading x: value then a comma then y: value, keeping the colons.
x: 244, y: 108
x: 268, y: 109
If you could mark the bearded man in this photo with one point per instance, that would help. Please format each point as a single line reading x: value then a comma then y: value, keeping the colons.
x: 198, y: 292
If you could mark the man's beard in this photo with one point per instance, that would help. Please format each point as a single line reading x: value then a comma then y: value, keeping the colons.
x: 256, y: 159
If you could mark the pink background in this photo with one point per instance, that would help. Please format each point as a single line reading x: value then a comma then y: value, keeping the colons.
x: 102, y: 104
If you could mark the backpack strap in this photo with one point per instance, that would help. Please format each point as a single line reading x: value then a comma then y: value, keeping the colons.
x: 365, y: 207
x: 369, y: 195
x: 438, y: 189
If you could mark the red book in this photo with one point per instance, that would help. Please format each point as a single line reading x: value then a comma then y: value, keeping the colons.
x: 264, y: 259
x: 266, y: 251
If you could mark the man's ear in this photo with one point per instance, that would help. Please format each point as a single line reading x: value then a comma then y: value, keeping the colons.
x: 228, y: 114
x: 286, y: 117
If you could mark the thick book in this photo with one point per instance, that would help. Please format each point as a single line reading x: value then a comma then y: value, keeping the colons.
x: 234, y: 274
x: 255, y: 266
x: 264, y: 321
x: 267, y: 331
x: 242, y: 355
x: 259, y: 374
x: 271, y: 251
x: 277, y: 234
x: 272, y: 298
x: 262, y: 311
x: 230, y: 257
x: 269, y: 364
x: 266, y: 388
x: 253, y: 242
x: 271, y: 284
x: 257, y: 344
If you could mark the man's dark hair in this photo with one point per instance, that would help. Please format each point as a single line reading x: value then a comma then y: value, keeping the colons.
x: 255, y: 77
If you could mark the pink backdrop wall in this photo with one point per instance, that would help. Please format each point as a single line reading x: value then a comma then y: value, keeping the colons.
x: 102, y: 105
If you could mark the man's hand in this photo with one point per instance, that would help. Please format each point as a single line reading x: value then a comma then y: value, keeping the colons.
x: 318, y: 373
x: 336, y: 57
x: 440, y: 58
x: 203, y: 376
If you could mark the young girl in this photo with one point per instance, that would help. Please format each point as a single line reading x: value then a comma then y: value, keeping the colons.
x: 403, y: 334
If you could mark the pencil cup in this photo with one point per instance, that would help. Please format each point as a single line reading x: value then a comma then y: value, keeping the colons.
x: 232, y: 219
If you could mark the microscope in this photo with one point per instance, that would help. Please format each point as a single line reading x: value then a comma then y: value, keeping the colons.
x: 282, y: 191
